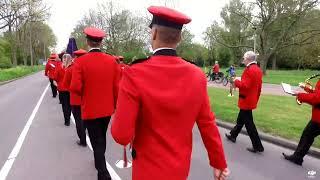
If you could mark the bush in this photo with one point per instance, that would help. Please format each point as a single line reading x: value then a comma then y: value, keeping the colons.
x: 5, y: 62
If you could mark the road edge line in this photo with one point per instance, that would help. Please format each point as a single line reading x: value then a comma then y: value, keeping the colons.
x: 16, y: 149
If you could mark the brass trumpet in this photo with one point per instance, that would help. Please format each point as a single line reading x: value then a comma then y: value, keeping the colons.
x: 124, y: 163
x: 307, y: 85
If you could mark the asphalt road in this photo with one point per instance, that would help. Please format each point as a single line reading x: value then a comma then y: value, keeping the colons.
x: 270, y: 89
x: 49, y: 151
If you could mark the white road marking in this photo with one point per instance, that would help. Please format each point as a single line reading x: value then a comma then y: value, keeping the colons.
x: 112, y: 172
x: 15, y: 151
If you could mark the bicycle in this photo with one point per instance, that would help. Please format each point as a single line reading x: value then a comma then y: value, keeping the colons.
x: 225, y: 80
x: 216, y: 77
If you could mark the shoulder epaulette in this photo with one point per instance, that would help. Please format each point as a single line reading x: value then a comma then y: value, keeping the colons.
x: 137, y: 61
x: 191, y: 62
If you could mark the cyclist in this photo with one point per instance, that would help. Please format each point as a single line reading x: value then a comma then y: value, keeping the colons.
x: 232, y: 73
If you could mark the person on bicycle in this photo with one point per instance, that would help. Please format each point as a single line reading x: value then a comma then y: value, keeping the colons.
x: 215, y: 70
x: 232, y: 73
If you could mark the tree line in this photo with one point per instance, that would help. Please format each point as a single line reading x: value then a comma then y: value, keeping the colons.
x: 24, y: 36
x: 284, y: 33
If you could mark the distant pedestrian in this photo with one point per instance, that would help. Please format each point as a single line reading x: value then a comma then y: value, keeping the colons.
x: 249, y: 86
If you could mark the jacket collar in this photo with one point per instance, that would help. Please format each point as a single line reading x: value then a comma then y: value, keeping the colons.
x: 95, y: 50
x: 165, y: 52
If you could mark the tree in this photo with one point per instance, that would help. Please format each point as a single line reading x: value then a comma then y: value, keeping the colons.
x: 16, y: 13
x: 126, y: 32
x: 234, y: 33
x: 277, y: 26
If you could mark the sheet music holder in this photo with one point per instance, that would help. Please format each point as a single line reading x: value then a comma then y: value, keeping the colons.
x: 287, y: 88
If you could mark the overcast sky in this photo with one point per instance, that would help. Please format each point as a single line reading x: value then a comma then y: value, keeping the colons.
x: 66, y: 13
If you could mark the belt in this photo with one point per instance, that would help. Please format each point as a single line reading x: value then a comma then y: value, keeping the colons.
x: 242, y: 96
x: 317, y: 106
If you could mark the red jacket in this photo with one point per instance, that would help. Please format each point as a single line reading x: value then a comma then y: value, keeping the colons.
x: 75, y: 100
x: 216, y: 68
x: 122, y: 66
x: 312, y: 98
x: 95, y: 77
x: 157, y: 111
x: 59, y: 76
x: 249, y: 87
x: 50, y: 68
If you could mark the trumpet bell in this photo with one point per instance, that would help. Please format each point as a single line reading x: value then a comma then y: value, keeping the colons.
x: 122, y: 164
x: 298, y: 102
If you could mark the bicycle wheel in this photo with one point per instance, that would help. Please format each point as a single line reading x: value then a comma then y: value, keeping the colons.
x: 225, y: 81
x: 218, y: 79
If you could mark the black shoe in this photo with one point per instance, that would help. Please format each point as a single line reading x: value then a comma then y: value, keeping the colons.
x: 293, y: 159
x: 67, y: 124
x: 81, y: 144
x: 104, y: 176
x: 230, y: 138
x: 253, y: 150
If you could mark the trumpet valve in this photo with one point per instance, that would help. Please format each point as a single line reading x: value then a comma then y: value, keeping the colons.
x: 308, y: 87
x: 302, y: 85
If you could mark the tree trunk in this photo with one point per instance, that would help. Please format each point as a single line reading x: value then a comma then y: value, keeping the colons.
x: 13, y: 48
x: 264, y: 62
x: 274, y: 62
x: 30, y: 46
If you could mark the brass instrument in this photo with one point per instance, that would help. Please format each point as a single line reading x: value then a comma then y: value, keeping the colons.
x: 307, y: 85
x: 124, y: 163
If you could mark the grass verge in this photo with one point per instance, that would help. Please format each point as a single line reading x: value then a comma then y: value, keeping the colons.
x: 275, y: 115
x: 16, y: 72
x: 293, y: 77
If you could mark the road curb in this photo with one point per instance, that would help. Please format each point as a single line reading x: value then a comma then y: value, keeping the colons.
x: 314, y: 152
x: 9, y: 81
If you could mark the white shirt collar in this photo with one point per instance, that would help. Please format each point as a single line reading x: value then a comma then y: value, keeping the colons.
x: 253, y: 62
x: 154, y: 51
x: 93, y: 49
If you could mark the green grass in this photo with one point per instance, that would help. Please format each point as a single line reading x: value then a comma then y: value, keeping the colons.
x: 276, y: 115
x: 292, y: 77
x: 12, y: 73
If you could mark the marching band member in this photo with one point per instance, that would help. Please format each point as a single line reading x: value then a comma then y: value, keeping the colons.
x: 95, y: 78
x: 312, y: 130
x: 157, y: 111
x: 249, y: 93
x: 63, y: 90
x: 49, y: 72
x: 75, y: 101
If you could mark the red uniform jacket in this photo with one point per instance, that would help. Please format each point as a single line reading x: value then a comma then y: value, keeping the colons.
x: 122, y: 66
x: 50, y: 68
x: 312, y: 98
x: 249, y: 87
x: 159, y: 102
x: 59, y: 76
x: 216, y: 68
x: 75, y: 100
x: 95, y: 77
